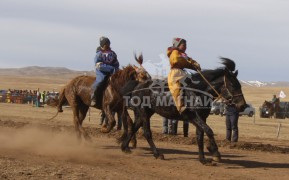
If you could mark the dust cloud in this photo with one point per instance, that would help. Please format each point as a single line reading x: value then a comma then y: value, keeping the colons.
x: 43, y: 142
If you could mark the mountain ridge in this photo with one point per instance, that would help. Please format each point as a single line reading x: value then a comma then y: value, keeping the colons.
x: 56, y: 71
x: 41, y: 71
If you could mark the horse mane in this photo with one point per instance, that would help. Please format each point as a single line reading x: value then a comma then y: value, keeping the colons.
x: 124, y: 73
x: 229, y: 64
x: 121, y: 76
x: 212, y: 74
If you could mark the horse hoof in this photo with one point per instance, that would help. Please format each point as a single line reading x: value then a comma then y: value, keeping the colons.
x: 133, y: 145
x: 104, y: 130
x: 205, y: 161
x: 127, y: 151
x: 161, y: 157
x: 217, y: 158
x: 210, y: 164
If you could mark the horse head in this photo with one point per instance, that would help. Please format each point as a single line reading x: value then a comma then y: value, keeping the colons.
x: 267, y: 104
x: 271, y: 106
x: 228, y: 84
x: 130, y: 74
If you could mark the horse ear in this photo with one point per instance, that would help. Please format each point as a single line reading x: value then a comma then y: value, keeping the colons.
x: 236, y: 73
x: 138, y: 59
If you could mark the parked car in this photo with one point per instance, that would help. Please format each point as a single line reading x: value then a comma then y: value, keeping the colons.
x: 249, y: 111
x: 217, y: 108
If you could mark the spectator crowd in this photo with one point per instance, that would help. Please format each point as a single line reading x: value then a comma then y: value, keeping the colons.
x: 35, y: 97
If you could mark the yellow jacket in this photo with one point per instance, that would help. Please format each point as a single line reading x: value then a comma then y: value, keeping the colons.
x: 180, y: 60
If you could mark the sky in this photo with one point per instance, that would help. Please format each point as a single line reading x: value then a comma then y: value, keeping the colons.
x: 65, y: 33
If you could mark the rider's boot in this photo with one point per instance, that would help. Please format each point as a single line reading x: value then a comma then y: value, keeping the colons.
x: 93, y: 97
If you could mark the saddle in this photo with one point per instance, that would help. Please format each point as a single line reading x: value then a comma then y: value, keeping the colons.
x: 187, y: 94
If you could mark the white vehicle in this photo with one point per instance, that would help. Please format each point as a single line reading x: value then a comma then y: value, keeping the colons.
x: 217, y: 108
x: 249, y: 111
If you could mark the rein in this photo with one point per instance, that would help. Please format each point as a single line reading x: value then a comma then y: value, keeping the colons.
x: 229, y: 92
x: 225, y: 84
x: 219, y: 95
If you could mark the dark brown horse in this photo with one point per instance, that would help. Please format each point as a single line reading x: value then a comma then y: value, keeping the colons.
x: 271, y: 107
x: 154, y: 97
x: 78, y: 93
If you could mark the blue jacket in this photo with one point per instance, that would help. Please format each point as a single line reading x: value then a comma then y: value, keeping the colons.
x: 108, y: 60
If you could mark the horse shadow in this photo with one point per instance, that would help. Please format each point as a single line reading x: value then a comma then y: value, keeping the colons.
x: 254, y: 164
x: 227, y: 159
x: 167, y: 151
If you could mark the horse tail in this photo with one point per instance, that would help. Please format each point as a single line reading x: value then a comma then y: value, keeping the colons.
x: 53, y: 116
x: 61, y: 100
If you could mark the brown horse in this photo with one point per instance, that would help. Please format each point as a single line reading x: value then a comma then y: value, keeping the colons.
x: 271, y: 107
x: 78, y: 93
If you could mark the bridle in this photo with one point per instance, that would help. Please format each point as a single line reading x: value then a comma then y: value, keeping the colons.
x: 228, y: 91
x: 220, y: 96
x: 141, y: 70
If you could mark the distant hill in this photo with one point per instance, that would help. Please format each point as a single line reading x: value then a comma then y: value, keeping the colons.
x: 63, y: 72
x: 265, y: 84
x: 42, y: 71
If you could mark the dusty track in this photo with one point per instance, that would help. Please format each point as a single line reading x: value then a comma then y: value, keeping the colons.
x: 34, y: 148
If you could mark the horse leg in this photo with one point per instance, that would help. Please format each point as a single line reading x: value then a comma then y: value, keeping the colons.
x: 119, y: 120
x: 130, y: 129
x: 134, y: 127
x: 200, y: 141
x: 133, y: 140
x: 130, y: 126
x: 76, y: 122
x: 148, y: 136
x: 212, y: 148
x: 110, y: 118
x: 127, y: 127
x: 82, y: 114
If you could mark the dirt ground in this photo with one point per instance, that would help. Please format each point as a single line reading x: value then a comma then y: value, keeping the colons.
x: 32, y: 147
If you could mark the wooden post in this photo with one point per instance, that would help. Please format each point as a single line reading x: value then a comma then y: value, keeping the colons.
x: 278, y: 131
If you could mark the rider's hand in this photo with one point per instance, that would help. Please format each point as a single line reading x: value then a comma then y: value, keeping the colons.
x: 97, y: 65
x: 197, y: 66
